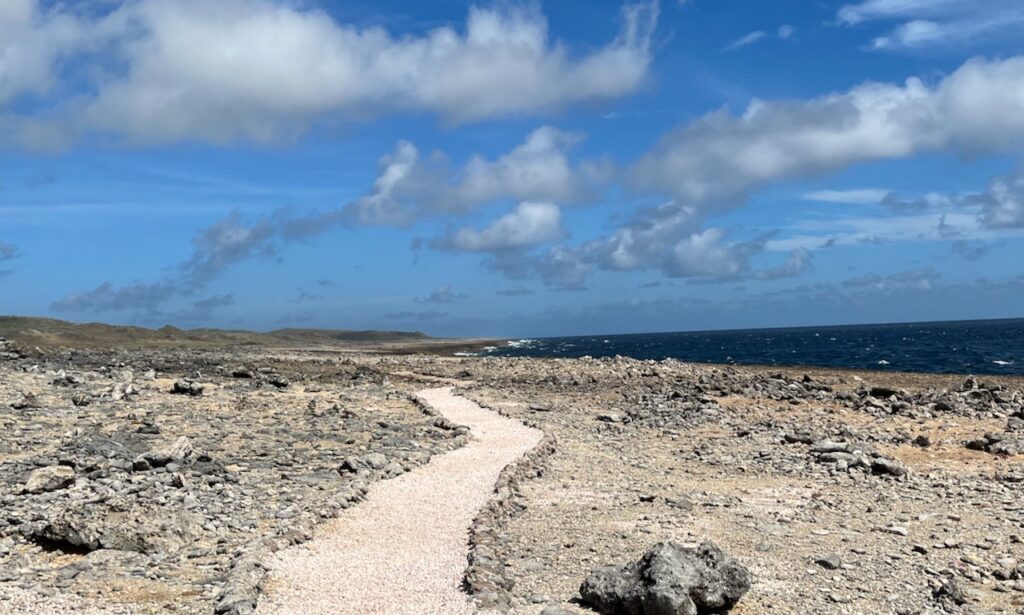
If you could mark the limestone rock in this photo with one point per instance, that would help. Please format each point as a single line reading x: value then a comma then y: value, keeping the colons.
x: 50, y: 478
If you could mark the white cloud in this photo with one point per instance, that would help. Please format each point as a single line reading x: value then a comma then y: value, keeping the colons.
x: 264, y: 71
x: 889, y: 9
x: 747, y: 39
x: 667, y: 238
x: 32, y: 41
x: 785, y: 32
x: 410, y: 187
x: 934, y: 23
x: 862, y: 196
x: 527, y: 225
x: 716, y: 160
x: 704, y: 254
x: 1002, y: 203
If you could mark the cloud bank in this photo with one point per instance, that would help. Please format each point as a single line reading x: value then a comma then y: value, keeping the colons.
x: 261, y: 71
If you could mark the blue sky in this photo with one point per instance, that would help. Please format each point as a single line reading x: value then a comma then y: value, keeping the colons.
x: 511, y: 169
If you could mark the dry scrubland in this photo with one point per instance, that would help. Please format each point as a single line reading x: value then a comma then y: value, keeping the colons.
x: 841, y: 492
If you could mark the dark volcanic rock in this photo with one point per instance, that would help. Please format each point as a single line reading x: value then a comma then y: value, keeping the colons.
x: 187, y: 387
x: 670, y: 579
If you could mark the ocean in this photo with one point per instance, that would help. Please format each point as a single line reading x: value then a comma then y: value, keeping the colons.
x: 960, y: 347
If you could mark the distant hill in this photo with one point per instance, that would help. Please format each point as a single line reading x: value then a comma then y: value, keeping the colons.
x: 49, y: 333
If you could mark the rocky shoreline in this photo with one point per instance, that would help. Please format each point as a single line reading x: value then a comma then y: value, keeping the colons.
x: 161, y: 480
x: 843, y: 492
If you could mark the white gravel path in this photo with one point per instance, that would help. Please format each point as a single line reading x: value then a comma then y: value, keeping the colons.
x: 403, y: 550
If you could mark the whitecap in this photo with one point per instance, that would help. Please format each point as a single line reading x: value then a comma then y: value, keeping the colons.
x: 883, y: 362
x: 1001, y: 362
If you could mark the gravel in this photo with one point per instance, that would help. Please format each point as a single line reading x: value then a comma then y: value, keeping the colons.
x: 404, y: 549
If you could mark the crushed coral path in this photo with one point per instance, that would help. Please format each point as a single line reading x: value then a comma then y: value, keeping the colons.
x: 404, y: 549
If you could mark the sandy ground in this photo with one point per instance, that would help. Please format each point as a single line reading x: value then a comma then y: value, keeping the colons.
x: 404, y: 549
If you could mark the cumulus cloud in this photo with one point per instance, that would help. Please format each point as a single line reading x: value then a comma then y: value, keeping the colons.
x: 717, y: 160
x: 264, y: 71
x: 713, y: 163
x: 669, y: 238
x: 666, y: 238
x: 410, y: 186
x: 527, y: 225
x: 33, y: 40
x: 930, y: 23
x: 406, y: 189
x: 1002, y: 203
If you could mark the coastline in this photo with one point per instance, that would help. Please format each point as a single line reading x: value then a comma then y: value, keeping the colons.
x: 641, y: 451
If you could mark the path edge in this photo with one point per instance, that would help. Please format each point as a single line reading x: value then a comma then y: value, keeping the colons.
x: 485, y: 578
x: 243, y: 585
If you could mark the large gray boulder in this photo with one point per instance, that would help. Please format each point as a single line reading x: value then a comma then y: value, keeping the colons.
x: 670, y: 579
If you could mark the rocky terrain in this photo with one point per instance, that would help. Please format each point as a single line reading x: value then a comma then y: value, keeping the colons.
x: 841, y: 492
x: 162, y: 480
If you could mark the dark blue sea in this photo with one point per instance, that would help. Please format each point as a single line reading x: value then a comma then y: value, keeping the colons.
x: 962, y: 347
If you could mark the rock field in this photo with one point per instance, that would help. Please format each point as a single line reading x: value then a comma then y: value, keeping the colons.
x: 842, y: 492
x: 161, y: 481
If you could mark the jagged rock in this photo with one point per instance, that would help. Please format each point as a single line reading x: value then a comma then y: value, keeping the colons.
x: 241, y: 591
x: 670, y: 579
x: 28, y: 401
x: 883, y: 392
x: 885, y: 465
x: 952, y: 590
x: 50, y: 478
x: 370, y: 461
x: 187, y: 387
x: 143, y: 530
x: 176, y: 452
x: 831, y: 561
